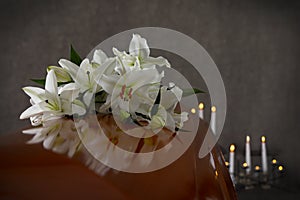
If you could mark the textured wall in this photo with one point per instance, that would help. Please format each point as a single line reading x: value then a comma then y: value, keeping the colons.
x: 255, y: 44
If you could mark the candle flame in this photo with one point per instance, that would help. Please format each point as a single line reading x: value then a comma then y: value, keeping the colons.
x: 216, y: 173
x: 257, y: 168
x: 280, y: 168
x: 193, y: 110
x: 227, y: 164
x: 263, y: 139
x: 201, y: 106
x: 245, y: 165
x: 248, y: 138
x: 232, y: 148
x: 213, y: 109
x: 274, y: 161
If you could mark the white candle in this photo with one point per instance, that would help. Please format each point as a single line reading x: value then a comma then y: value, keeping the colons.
x: 213, y: 121
x: 201, y: 110
x: 231, y: 160
x: 264, y: 155
x: 248, y: 155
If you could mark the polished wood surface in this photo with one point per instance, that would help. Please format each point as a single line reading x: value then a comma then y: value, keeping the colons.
x: 30, y: 172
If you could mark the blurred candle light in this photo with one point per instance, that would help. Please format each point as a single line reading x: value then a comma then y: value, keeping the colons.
x: 216, y: 174
x: 213, y: 122
x: 245, y: 165
x: 274, y: 161
x: 280, y: 168
x: 264, y: 155
x: 257, y: 168
x: 201, y: 110
x: 193, y: 110
x: 227, y: 164
x: 248, y: 155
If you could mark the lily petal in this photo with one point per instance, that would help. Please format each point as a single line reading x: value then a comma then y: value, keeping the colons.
x: 87, y: 97
x: 78, y: 108
x: 138, y: 47
x: 159, y: 61
x: 31, y: 111
x: 36, y: 139
x: 108, y: 82
x: 50, y: 139
x: 86, y: 66
x: 69, y: 66
x: 32, y: 131
x: 99, y: 56
x: 180, y: 118
x: 34, y: 93
x: 51, y: 83
x: 106, y: 68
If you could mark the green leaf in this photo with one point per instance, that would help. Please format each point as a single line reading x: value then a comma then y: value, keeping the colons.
x: 43, y: 82
x: 63, y: 83
x: 74, y: 57
x: 100, y: 97
x: 188, y: 92
x: 39, y: 81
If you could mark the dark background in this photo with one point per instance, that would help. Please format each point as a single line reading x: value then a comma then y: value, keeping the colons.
x: 255, y: 44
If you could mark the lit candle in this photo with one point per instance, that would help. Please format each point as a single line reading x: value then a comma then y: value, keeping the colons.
x: 256, y: 170
x: 231, y: 160
x: 201, y: 110
x: 213, y: 122
x: 248, y: 155
x: 264, y: 155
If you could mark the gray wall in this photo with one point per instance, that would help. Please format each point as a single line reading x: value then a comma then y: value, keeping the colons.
x: 255, y: 44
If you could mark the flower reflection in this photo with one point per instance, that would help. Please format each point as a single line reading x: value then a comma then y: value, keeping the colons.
x: 96, y: 142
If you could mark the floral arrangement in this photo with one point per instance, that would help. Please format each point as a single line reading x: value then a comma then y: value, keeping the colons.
x: 127, y: 85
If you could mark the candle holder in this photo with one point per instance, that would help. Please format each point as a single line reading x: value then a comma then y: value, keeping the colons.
x: 244, y: 180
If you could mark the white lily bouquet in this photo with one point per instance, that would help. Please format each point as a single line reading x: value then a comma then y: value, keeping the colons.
x: 127, y: 85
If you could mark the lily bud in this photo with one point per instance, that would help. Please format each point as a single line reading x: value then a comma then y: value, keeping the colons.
x: 61, y: 74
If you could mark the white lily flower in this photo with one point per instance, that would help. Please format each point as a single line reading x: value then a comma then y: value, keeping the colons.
x: 138, y: 57
x: 165, y: 116
x: 45, y: 134
x: 126, y: 62
x: 86, y: 75
x: 122, y: 89
x: 59, y: 135
x: 170, y: 96
x: 139, y: 47
x: 51, y: 102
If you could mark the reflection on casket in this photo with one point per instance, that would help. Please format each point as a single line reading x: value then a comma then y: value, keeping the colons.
x: 30, y: 172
